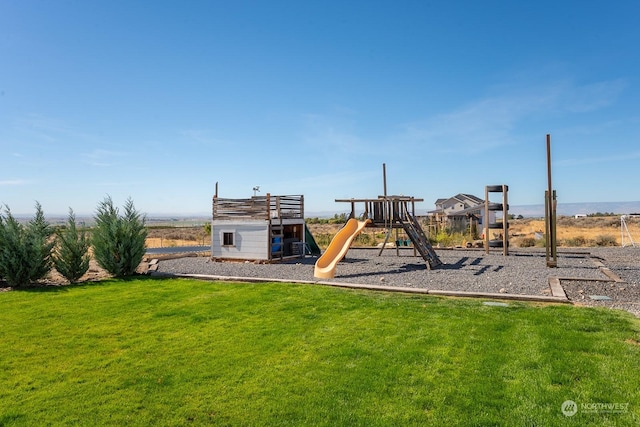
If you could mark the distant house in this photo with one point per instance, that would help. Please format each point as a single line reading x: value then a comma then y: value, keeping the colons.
x: 262, y: 228
x: 458, y: 203
x: 457, y: 213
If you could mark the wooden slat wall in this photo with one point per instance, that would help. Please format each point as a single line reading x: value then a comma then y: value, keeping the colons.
x: 287, y: 206
x: 259, y: 207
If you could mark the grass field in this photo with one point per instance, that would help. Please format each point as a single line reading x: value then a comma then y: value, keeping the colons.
x: 183, y: 352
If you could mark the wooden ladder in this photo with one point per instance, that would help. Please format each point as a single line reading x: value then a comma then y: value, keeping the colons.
x: 277, y: 240
x: 420, y: 242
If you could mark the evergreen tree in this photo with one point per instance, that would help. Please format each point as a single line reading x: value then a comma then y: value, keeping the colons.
x: 25, y: 251
x: 40, y: 232
x: 71, y: 256
x: 119, y: 241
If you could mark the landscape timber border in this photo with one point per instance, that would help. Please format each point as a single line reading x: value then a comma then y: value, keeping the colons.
x: 555, y: 282
x: 399, y: 289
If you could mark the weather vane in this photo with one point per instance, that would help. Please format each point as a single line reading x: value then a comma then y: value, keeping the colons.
x: 256, y: 189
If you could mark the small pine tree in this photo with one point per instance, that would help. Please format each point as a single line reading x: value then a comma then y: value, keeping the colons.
x: 39, y: 224
x: 25, y: 251
x: 118, y: 241
x: 40, y: 232
x: 71, y: 255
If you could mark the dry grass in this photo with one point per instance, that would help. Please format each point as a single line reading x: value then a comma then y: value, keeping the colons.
x: 162, y: 237
x: 573, y: 231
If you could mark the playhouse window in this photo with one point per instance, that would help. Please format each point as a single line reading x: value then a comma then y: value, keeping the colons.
x: 227, y: 239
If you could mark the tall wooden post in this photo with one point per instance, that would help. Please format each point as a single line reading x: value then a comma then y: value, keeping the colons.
x: 505, y: 221
x: 550, y: 214
x: 387, y: 206
x: 384, y: 179
x: 485, y: 223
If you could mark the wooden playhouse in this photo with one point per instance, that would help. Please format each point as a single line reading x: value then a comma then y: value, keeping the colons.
x: 261, y: 228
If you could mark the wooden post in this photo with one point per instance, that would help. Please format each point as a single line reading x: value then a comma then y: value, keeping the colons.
x: 505, y: 221
x: 413, y: 213
x: 550, y: 214
x: 213, y: 204
x: 546, y: 225
x: 384, y: 179
x: 554, y: 217
x: 485, y: 223
x: 268, y: 213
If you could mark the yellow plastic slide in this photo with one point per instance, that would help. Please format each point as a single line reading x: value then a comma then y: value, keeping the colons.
x: 326, y: 264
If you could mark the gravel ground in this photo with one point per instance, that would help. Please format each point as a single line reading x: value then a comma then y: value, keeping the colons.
x: 523, y: 272
x: 625, y: 263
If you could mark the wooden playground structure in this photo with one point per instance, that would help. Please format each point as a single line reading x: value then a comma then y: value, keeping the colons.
x: 395, y: 213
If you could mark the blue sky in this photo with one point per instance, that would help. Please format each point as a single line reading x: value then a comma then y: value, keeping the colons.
x: 160, y: 100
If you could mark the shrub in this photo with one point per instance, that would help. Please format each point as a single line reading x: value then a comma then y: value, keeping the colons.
x: 323, y: 239
x: 71, y: 255
x: 118, y: 241
x: 316, y: 220
x: 445, y: 239
x: 606, y: 240
x: 365, y: 239
x: 473, y: 231
x: 577, y: 241
x: 564, y: 221
x: 338, y: 219
x: 527, y: 242
x: 25, y: 251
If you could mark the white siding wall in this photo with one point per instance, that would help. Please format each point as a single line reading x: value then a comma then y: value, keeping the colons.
x: 492, y: 217
x: 251, y: 240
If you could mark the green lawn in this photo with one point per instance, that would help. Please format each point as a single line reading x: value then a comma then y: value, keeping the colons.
x: 185, y: 352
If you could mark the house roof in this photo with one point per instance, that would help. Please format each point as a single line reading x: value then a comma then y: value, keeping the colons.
x: 479, y: 209
x: 460, y: 197
x: 476, y: 202
x: 473, y: 198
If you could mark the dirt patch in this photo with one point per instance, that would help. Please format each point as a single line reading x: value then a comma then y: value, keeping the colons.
x: 94, y: 274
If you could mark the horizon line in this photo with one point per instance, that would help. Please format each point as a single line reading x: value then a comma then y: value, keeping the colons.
x: 200, y: 215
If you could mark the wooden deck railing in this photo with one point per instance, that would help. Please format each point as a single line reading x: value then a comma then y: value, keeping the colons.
x: 259, y: 207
